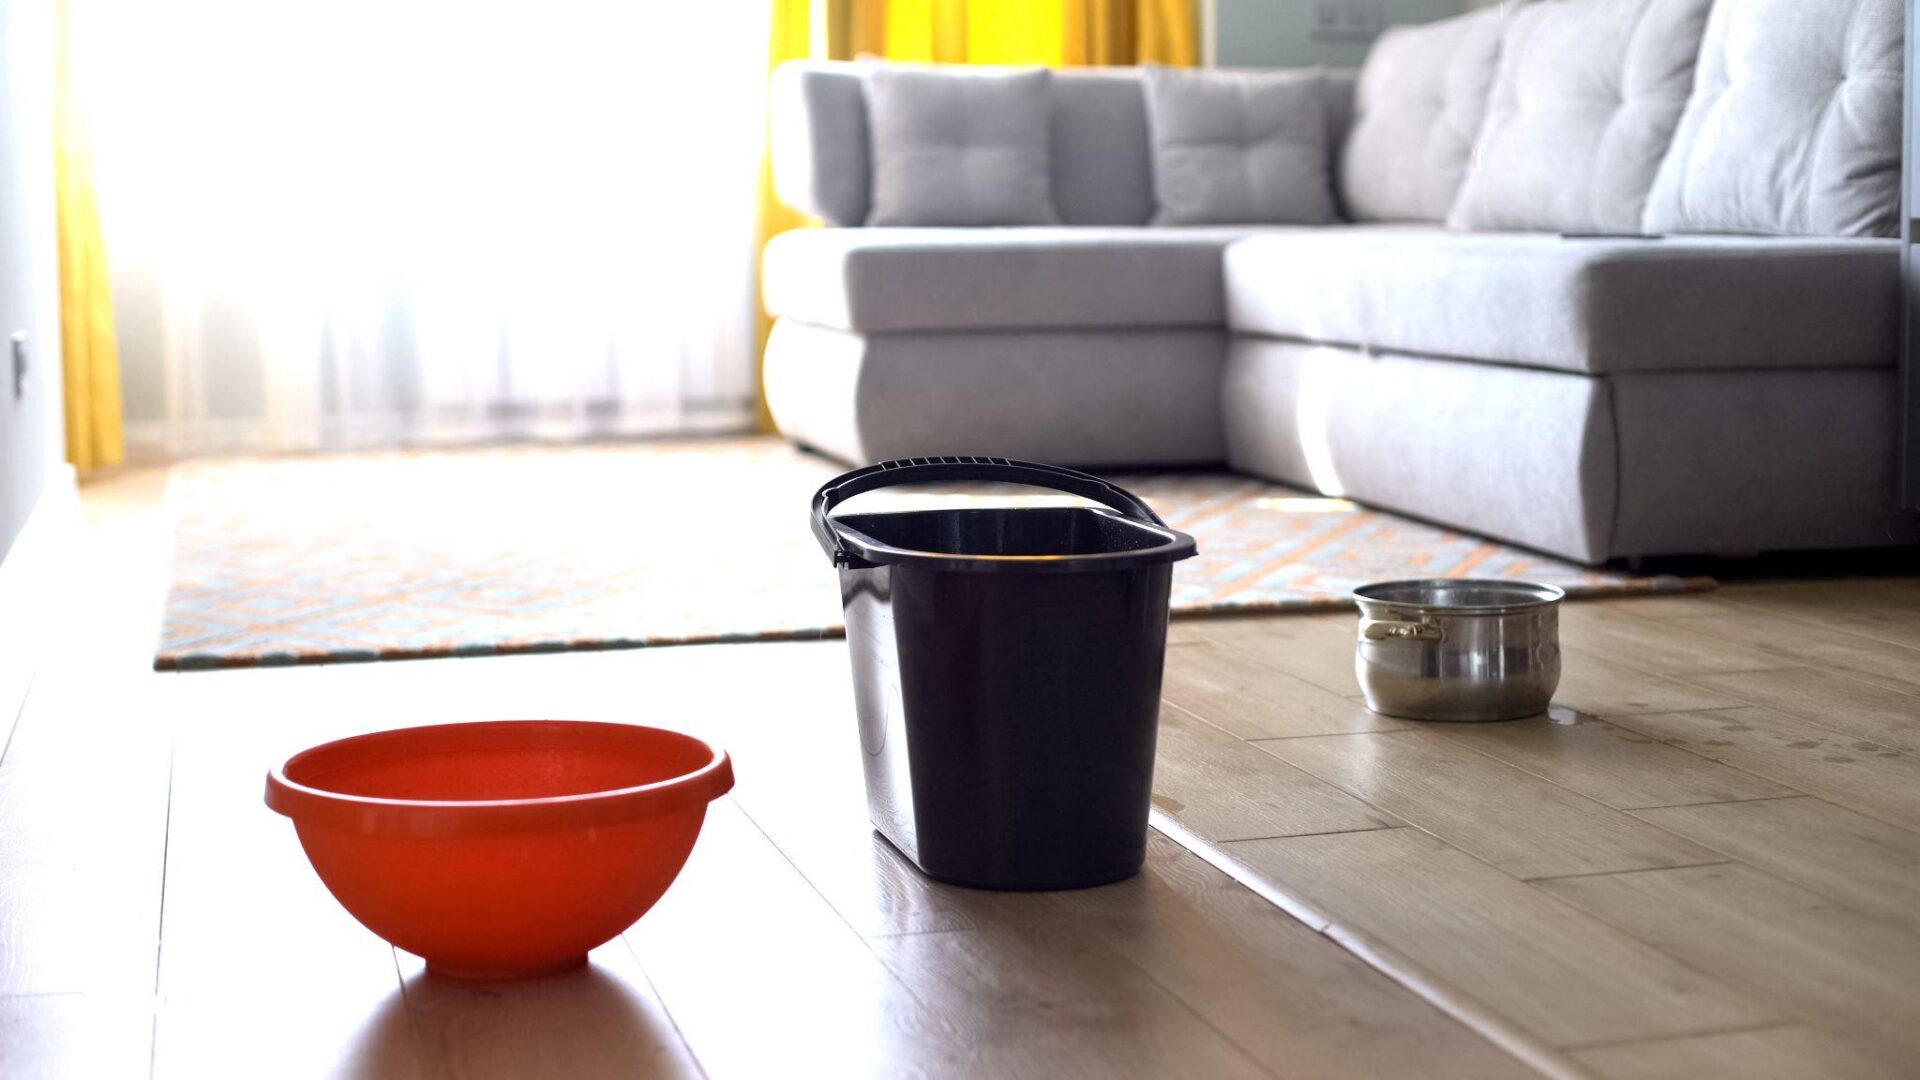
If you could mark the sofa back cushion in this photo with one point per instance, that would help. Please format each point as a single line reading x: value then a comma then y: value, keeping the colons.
x: 819, y: 114
x: 1239, y: 147
x: 969, y: 147
x: 1418, y: 106
x: 817, y: 139
x: 1794, y: 123
x: 1101, y: 162
x: 1584, y: 105
x: 1102, y: 167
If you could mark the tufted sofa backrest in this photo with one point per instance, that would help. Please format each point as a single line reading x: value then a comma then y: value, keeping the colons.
x: 1101, y: 159
x: 1793, y: 127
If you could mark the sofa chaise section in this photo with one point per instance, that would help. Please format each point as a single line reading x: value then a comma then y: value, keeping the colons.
x: 1587, y: 304
x: 1590, y: 468
x: 1526, y: 456
x: 1595, y: 398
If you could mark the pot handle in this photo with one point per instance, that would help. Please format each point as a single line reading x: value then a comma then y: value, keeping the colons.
x: 1394, y: 629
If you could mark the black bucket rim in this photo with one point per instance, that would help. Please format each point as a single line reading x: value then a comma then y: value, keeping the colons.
x: 1174, y: 546
x: 1116, y: 501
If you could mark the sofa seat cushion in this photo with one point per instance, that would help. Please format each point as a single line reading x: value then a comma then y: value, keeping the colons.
x: 1089, y: 398
x: 896, y: 280
x: 1597, y: 306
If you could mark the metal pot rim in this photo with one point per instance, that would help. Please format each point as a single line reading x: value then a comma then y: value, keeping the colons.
x: 1502, y: 597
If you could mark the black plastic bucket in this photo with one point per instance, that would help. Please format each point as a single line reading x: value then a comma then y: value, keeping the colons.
x: 1006, y: 668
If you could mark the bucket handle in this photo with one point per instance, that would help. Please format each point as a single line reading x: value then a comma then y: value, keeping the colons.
x: 941, y: 469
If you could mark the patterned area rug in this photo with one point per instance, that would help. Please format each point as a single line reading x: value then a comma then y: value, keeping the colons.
x: 408, y: 554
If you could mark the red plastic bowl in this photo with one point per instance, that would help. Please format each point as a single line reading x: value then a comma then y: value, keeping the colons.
x: 501, y: 849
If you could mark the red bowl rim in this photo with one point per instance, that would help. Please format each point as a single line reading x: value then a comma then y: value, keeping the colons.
x: 308, y: 805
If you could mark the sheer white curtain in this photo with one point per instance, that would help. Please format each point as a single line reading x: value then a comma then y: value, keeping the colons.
x: 361, y: 222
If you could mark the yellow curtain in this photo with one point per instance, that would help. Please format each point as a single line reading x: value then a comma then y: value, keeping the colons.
x: 1061, y: 33
x: 90, y: 352
x: 1136, y: 32
x: 1071, y: 33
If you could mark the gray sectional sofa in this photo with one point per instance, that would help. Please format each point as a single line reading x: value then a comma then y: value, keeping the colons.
x: 1458, y: 348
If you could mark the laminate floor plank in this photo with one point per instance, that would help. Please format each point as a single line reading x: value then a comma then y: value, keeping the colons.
x: 872, y: 885
x: 1187, y: 631
x: 83, y: 810
x: 1592, y: 683
x: 1567, y: 978
x: 603, y: 1020
x: 1868, y: 865
x: 1790, y: 1052
x: 16, y: 677
x: 1526, y: 826
x: 1668, y: 648
x: 1058, y: 995
x: 1318, y: 649
x: 1290, y: 997
x: 1831, y: 699
x: 1879, y: 781
x: 1250, y: 697
x: 1801, y: 952
x: 1796, y: 642
x: 1671, y: 606
x: 1224, y: 788
x: 66, y: 930
x: 1886, y: 608
x: 763, y: 978
x: 1608, y: 763
x: 83, y: 1036
x: 258, y: 962
x: 78, y: 792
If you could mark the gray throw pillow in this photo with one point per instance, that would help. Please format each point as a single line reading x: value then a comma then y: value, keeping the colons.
x: 1794, y: 123
x: 1586, y: 100
x: 1239, y: 148
x: 955, y: 146
x: 1417, y: 108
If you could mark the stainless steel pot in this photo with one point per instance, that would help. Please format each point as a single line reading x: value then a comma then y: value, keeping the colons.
x: 1464, y: 649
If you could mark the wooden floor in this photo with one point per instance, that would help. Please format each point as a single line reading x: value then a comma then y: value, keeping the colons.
x: 1707, y: 863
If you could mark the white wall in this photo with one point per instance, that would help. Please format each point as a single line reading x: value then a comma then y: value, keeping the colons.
x: 1281, y: 33
x: 31, y: 440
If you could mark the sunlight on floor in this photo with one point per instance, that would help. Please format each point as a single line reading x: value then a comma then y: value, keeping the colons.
x: 1305, y: 504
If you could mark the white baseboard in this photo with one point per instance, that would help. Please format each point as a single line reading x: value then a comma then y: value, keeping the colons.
x: 27, y: 575
x: 55, y: 513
